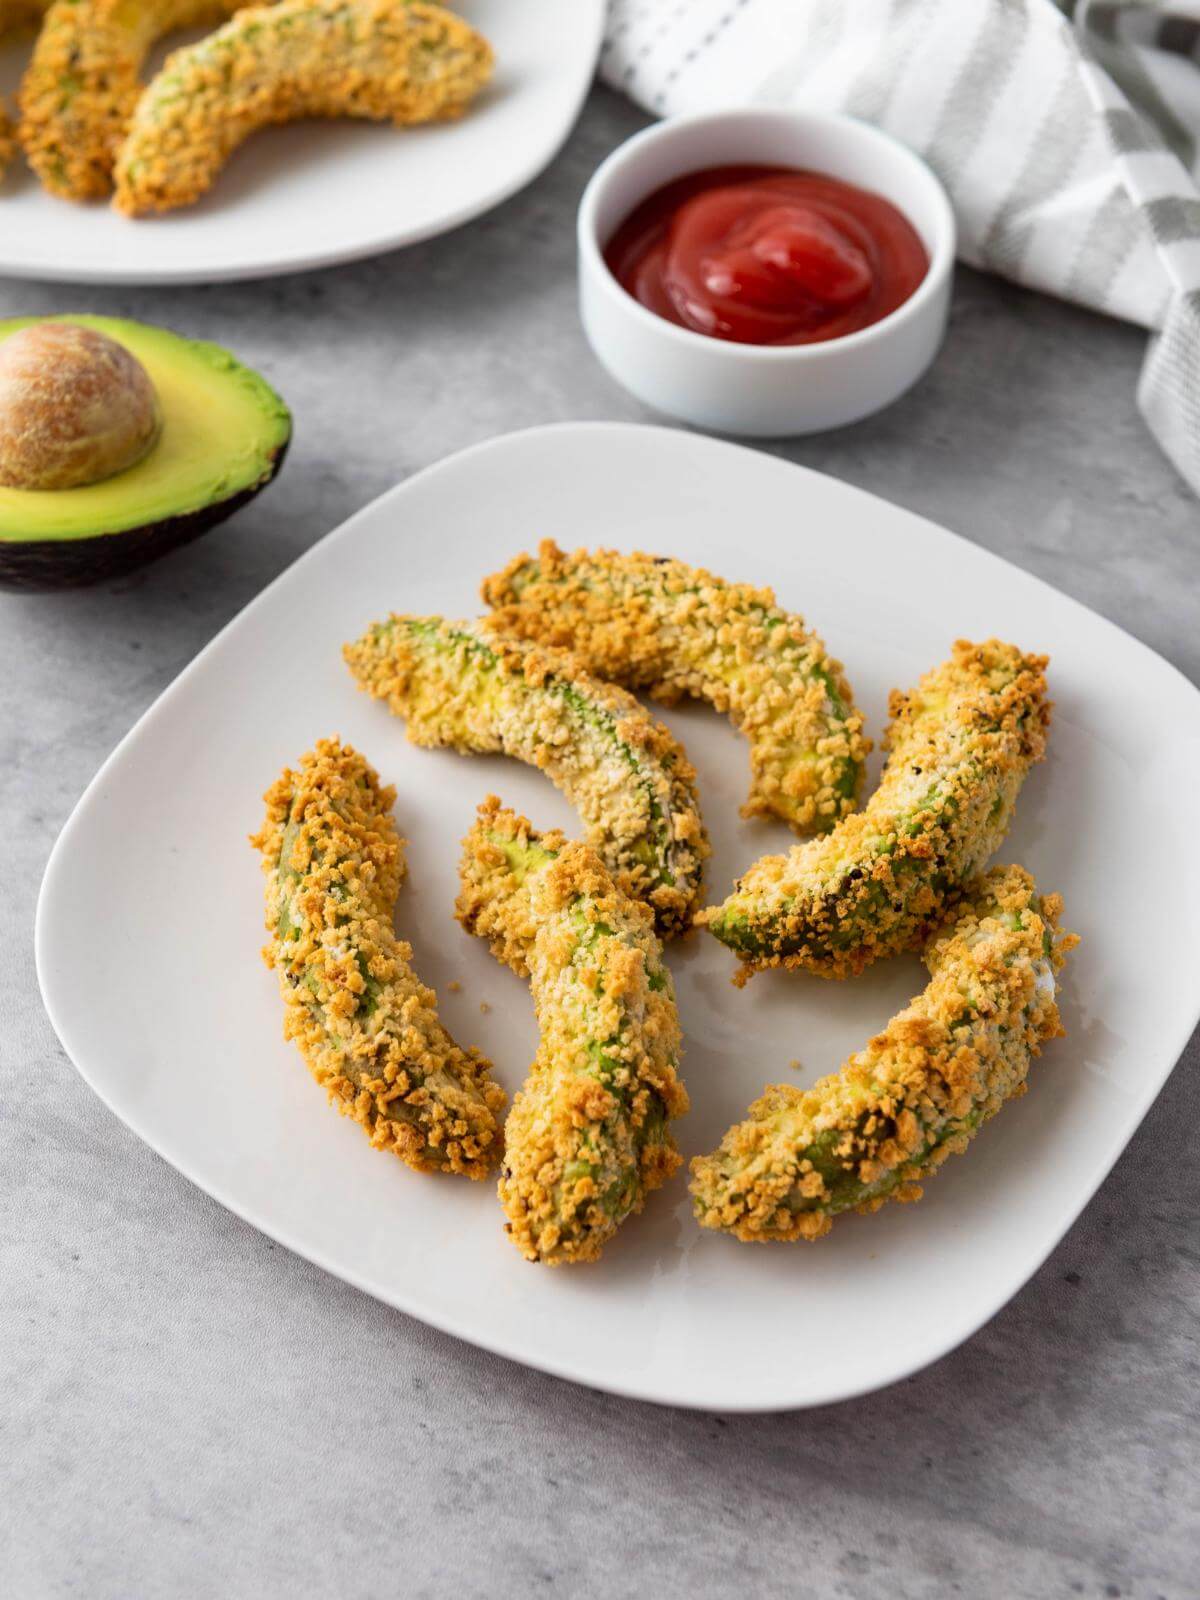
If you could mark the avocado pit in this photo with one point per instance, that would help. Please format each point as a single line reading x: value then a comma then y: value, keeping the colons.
x: 139, y: 440
x: 76, y: 408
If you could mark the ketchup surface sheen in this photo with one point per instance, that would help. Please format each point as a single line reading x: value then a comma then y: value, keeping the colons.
x: 767, y: 255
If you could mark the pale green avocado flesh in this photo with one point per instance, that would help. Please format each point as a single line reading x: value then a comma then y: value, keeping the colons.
x: 224, y: 433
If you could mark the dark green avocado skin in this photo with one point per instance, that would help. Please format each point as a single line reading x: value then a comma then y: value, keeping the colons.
x: 39, y: 565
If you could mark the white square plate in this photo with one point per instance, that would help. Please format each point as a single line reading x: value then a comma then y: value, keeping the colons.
x: 321, y: 192
x: 150, y: 923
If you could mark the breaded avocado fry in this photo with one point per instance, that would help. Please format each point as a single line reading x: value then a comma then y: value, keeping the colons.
x: 587, y: 1138
x: 83, y: 82
x: 365, y: 1024
x: 467, y: 686
x: 672, y: 630
x: 398, y: 61
x: 918, y: 1092
x: 961, y: 743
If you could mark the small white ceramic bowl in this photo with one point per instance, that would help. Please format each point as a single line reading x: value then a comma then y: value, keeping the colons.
x: 764, y: 390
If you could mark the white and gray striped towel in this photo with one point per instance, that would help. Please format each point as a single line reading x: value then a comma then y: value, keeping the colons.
x: 1068, y: 135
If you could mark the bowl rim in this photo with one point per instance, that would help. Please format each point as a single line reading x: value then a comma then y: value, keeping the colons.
x: 941, y: 255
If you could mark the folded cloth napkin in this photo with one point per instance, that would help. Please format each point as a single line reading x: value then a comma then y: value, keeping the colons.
x: 1067, y: 135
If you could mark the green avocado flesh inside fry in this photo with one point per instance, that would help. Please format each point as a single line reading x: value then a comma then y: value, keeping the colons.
x: 916, y: 1094
x: 465, y: 687
x: 296, y: 59
x: 672, y: 630
x: 961, y: 744
x: 365, y: 1024
x: 588, y: 1135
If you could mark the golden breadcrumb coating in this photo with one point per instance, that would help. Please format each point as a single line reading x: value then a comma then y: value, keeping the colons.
x: 587, y: 1138
x: 468, y: 686
x: 499, y: 857
x: 960, y: 746
x: 398, y: 61
x: 917, y: 1093
x: 83, y: 83
x: 364, y: 1023
x: 672, y: 630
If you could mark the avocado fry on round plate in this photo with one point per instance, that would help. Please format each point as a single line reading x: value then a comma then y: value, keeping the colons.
x: 398, y: 61
x: 83, y: 82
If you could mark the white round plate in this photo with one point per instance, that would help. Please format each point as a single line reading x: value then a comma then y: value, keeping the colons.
x: 150, y: 923
x: 322, y: 192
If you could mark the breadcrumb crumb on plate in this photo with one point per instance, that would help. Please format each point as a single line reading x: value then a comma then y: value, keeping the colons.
x: 150, y: 909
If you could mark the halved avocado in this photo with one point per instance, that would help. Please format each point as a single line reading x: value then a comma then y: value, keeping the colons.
x: 224, y: 436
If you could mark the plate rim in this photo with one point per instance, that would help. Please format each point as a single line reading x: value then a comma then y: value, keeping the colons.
x: 679, y: 1394
x: 56, y: 270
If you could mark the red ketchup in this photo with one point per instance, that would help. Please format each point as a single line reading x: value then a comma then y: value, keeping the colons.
x: 767, y: 255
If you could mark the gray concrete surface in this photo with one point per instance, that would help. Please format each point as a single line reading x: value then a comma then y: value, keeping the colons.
x: 187, y: 1410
